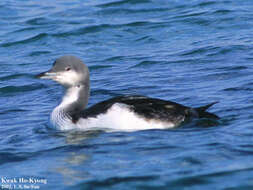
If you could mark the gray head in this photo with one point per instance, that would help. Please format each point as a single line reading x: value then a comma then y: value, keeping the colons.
x: 69, y: 71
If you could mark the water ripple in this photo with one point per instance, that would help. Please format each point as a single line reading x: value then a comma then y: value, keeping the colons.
x: 192, y: 52
x: 97, y: 28
x: 7, y: 90
x: 37, y: 21
x: 15, y: 76
x: 122, y: 2
x: 147, y: 63
x: 25, y: 41
x: 6, y: 157
x: 116, y: 180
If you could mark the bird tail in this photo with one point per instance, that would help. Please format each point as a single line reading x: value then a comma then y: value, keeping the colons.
x: 204, y: 114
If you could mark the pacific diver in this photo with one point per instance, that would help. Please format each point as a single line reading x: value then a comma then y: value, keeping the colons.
x: 123, y: 113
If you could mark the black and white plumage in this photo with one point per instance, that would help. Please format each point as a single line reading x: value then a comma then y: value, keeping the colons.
x: 124, y: 113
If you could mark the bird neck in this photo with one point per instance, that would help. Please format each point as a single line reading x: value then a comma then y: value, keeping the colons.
x: 75, y: 98
x: 74, y: 101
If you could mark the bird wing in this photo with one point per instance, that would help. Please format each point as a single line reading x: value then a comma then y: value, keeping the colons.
x: 150, y: 108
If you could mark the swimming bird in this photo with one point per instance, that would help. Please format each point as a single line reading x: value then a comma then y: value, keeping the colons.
x: 123, y: 113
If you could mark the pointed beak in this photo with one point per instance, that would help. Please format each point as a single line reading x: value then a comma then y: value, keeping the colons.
x: 46, y: 75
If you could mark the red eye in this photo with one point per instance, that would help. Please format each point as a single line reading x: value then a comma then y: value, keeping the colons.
x: 67, y: 69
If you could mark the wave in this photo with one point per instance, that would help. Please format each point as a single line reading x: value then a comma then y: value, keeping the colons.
x: 111, y: 181
x: 98, y: 28
x: 20, y: 89
x: 25, y: 41
x: 7, y: 157
x: 147, y: 63
x: 122, y: 2
x: 15, y: 76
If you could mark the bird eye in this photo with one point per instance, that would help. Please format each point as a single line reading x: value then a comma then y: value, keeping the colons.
x: 67, y: 69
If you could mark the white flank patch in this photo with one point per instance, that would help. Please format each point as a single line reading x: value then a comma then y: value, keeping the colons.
x: 120, y: 118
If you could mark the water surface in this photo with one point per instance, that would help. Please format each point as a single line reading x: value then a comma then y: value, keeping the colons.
x: 192, y: 52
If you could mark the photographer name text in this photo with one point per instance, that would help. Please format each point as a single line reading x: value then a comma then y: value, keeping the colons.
x: 22, y: 183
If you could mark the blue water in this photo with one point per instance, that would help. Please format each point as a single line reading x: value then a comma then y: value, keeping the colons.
x: 192, y: 52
